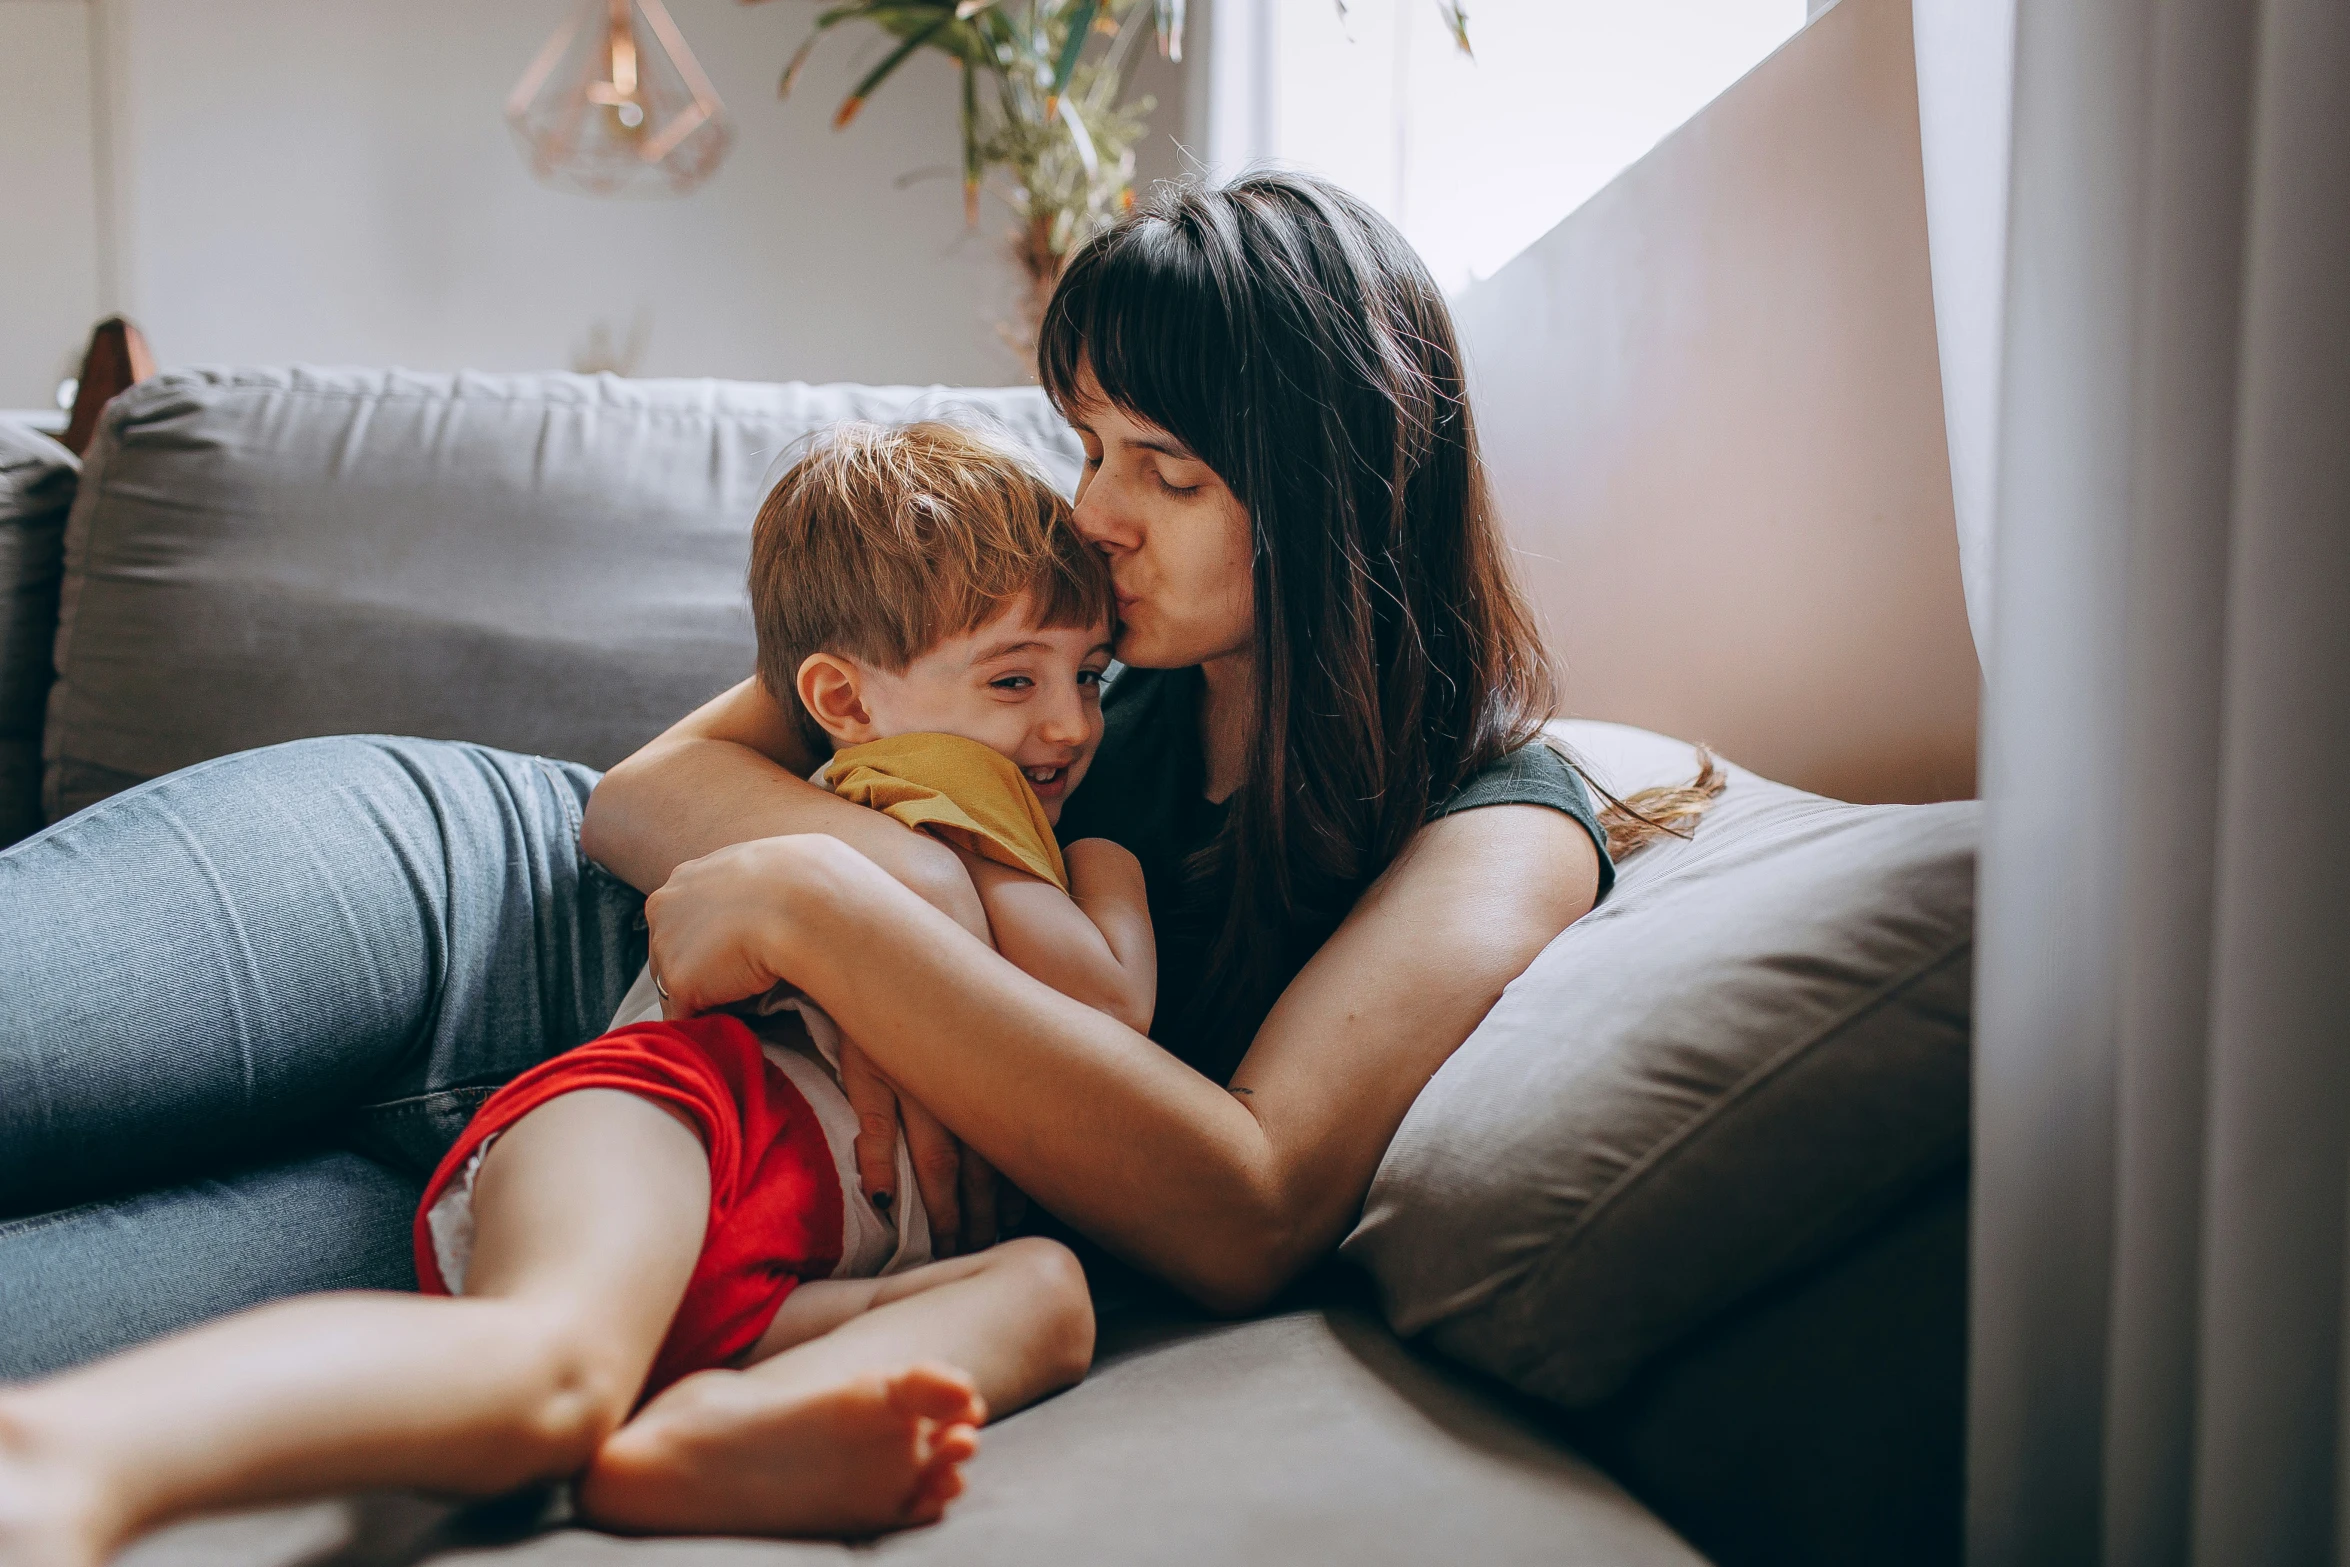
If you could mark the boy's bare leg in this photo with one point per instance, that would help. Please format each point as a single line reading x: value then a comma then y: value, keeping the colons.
x: 589, y: 1216
x: 727, y: 1451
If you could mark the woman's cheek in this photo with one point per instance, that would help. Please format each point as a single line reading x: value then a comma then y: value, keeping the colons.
x: 1239, y: 572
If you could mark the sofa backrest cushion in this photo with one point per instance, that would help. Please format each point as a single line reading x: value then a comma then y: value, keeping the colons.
x: 36, y: 488
x: 1755, y: 1048
x: 547, y: 563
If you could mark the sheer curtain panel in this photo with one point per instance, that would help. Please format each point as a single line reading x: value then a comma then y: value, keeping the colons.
x: 2163, y: 1017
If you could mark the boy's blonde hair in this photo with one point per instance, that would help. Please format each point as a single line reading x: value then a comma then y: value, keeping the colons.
x: 884, y: 541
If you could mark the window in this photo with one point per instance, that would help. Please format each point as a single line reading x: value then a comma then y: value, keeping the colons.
x: 1474, y: 159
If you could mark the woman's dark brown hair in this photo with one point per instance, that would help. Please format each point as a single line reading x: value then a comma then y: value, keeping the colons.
x: 1292, y: 339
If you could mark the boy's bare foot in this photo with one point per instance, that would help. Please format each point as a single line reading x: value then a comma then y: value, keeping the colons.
x: 726, y: 1453
x: 48, y: 1516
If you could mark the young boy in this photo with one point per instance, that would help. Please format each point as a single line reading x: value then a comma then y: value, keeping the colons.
x: 670, y: 1214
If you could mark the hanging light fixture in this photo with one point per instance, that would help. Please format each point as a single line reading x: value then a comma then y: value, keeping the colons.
x: 616, y: 104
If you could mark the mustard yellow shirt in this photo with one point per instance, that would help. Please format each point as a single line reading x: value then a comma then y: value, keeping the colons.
x: 956, y: 789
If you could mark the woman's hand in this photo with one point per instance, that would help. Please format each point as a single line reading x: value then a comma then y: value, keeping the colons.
x: 1226, y: 1192
x: 712, y: 924
x: 959, y: 1188
x: 732, y: 772
x: 714, y: 928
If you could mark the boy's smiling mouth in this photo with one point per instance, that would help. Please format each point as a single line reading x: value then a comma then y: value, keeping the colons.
x: 1048, y: 781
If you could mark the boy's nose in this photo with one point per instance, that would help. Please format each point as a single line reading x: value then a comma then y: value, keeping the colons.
x: 1063, y: 723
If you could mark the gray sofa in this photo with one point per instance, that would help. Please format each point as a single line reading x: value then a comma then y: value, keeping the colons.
x: 1667, y: 1265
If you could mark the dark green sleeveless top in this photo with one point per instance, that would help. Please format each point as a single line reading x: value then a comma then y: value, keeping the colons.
x: 1146, y: 791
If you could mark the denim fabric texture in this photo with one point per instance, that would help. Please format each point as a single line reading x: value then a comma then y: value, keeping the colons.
x: 86, y: 1281
x: 344, y: 943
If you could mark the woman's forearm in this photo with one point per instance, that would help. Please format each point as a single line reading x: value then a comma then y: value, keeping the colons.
x: 1087, y: 1116
x: 1080, y: 1111
x: 730, y: 772
x: 1227, y: 1194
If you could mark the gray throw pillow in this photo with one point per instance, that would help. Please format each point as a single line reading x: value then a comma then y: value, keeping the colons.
x: 36, y: 491
x: 547, y: 563
x: 1754, y: 1048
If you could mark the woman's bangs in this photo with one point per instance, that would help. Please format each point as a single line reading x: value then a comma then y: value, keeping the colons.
x: 1136, y: 309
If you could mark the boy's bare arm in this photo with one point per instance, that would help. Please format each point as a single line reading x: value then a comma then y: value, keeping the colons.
x: 1092, y: 943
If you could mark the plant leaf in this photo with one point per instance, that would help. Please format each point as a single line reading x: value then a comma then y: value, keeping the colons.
x: 825, y: 21
x: 1082, y: 137
x: 1454, y: 12
x: 1170, y: 19
x: 1080, y: 24
x: 1456, y: 17
x: 880, y: 73
x: 971, y: 167
x: 793, y: 66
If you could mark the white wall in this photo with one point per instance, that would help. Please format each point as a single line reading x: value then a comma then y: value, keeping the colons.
x: 1712, y: 410
x: 331, y: 180
x: 49, y: 239
x: 1475, y: 156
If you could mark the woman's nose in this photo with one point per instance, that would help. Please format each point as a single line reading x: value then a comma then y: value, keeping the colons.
x: 1102, y: 521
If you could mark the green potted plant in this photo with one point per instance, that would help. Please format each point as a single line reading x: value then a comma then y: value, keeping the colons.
x: 1043, y: 103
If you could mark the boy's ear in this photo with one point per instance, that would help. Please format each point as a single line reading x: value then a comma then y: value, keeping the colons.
x: 830, y: 688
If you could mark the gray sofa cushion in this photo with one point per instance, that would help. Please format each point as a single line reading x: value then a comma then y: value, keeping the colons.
x: 36, y: 487
x: 1310, y: 1437
x: 549, y: 563
x: 1756, y: 1047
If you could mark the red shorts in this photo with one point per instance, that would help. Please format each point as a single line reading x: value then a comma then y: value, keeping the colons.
x: 775, y: 1197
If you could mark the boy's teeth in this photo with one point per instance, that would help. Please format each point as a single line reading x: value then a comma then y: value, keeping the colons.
x: 1043, y: 774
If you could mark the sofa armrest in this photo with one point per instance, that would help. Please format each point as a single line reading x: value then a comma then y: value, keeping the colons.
x: 37, y: 482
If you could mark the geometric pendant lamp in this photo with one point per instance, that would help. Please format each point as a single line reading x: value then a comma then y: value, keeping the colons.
x: 616, y: 104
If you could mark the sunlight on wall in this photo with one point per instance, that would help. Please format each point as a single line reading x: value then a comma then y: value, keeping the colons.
x: 1476, y: 159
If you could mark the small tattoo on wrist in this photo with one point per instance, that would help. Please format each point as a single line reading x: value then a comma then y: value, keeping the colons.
x: 1245, y: 1093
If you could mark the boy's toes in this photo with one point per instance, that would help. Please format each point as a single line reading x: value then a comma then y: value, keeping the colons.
x: 951, y: 1445
x: 931, y: 1505
x: 942, y: 1480
x: 938, y: 1393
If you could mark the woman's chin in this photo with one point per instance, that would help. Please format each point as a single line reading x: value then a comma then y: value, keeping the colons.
x: 1139, y: 648
x: 1133, y: 649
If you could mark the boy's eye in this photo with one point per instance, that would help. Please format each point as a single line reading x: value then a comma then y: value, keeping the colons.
x: 1089, y: 677
x: 1012, y: 683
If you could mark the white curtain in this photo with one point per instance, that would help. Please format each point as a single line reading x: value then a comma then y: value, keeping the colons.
x: 1229, y: 107
x: 2163, y: 1010
x: 1966, y: 73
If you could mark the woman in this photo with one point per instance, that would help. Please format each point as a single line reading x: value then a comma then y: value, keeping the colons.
x: 218, y: 983
x: 1324, y: 752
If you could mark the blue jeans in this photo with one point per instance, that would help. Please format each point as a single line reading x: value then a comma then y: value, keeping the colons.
x: 244, y: 1009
